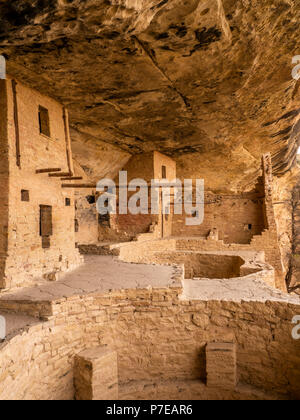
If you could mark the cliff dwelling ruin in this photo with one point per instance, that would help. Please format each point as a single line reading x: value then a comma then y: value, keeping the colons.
x: 150, y: 210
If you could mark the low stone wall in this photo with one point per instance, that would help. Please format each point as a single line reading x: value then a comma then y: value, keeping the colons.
x: 142, y: 252
x: 201, y: 265
x: 96, y: 250
x: 159, y: 339
x: 266, y: 242
x: 224, y: 262
x: 138, y: 252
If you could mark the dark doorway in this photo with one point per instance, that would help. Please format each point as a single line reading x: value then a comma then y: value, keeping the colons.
x: 44, y: 121
x: 46, y: 227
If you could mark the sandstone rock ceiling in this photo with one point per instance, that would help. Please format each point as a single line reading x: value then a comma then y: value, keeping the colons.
x: 207, y: 82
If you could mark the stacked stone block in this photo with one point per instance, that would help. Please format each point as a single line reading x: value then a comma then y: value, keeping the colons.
x: 96, y: 374
x: 221, y: 365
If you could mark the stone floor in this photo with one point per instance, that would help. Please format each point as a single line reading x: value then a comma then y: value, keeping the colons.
x: 189, y: 390
x: 234, y: 290
x: 105, y: 273
x: 99, y: 274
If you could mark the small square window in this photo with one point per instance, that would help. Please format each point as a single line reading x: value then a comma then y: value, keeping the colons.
x: 25, y: 195
x: 104, y: 220
x: 44, y: 121
x: 91, y: 199
x: 68, y: 202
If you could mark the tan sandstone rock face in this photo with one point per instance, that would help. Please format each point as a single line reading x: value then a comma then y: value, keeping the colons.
x: 207, y: 82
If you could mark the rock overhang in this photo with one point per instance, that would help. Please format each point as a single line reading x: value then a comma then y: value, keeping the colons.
x: 208, y: 83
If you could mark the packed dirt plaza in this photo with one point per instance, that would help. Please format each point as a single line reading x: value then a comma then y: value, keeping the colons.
x: 150, y: 211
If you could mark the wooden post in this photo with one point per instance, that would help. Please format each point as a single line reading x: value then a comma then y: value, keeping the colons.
x: 16, y: 123
x: 68, y: 141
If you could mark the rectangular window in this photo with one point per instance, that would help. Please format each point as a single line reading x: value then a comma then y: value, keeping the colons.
x: 164, y: 172
x: 46, y: 228
x: 104, y: 220
x: 44, y: 121
x: 68, y: 202
x: 24, y: 195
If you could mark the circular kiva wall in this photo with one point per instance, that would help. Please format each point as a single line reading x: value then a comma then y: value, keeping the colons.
x: 200, y: 265
x: 207, y: 264
x: 161, y: 342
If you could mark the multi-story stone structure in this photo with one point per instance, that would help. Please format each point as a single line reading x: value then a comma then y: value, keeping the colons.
x: 37, y: 216
x: 160, y: 309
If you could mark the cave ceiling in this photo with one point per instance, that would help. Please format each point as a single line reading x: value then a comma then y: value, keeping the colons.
x: 206, y: 82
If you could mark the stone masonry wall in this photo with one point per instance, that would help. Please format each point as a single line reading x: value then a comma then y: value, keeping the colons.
x: 27, y: 260
x: 158, y: 338
x: 86, y: 218
x: 294, y: 269
x: 198, y: 265
x: 145, y: 251
x: 147, y: 166
x: 4, y: 184
x: 271, y: 241
x: 237, y: 218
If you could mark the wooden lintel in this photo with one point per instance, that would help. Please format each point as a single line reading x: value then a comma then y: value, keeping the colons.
x: 60, y: 174
x: 45, y: 171
x: 72, y: 178
x: 78, y: 185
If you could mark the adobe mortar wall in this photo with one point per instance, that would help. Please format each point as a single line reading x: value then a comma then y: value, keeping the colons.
x: 159, y: 338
